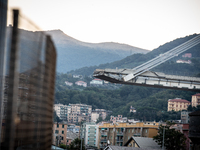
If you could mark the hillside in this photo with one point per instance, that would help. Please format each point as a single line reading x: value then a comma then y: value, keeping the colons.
x: 74, y: 54
x: 150, y: 103
x: 169, y: 67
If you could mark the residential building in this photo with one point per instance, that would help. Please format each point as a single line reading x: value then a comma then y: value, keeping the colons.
x: 81, y: 83
x: 185, y: 116
x: 78, y: 76
x: 196, y: 100
x: 70, y: 137
x: 91, y: 134
x: 96, y: 82
x: 68, y: 83
x: 94, y: 116
x: 178, y: 104
x: 73, y: 128
x: 116, y: 119
x: 119, y: 133
x: 59, y: 133
x: 142, y: 142
x: 189, y: 55
x: 73, y: 113
x: 62, y: 111
x: 102, y: 113
x: 184, y: 61
x: 132, y: 109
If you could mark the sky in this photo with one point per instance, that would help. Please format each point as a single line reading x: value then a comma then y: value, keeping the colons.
x: 145, y: 24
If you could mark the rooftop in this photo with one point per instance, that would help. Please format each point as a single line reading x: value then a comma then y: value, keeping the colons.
x: 178, y: 100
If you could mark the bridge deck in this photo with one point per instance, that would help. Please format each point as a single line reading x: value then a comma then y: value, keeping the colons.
x: 148, y: 78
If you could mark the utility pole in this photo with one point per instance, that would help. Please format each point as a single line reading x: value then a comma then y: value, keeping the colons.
x: 163, y: 138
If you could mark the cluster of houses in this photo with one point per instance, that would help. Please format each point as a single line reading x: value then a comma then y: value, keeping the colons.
x: 94, y: 82
x: 119, y: 131
x: 185, y: 56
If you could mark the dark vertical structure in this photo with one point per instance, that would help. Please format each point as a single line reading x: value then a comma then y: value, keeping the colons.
x: 30, y: 93
x: 194, y: 129
x: 3, y: 20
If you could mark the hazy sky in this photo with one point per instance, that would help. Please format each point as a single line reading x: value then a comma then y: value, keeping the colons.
x: 142, y: 23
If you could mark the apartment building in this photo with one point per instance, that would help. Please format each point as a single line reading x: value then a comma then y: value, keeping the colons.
x: 178, y: 104
x: 89, y: 132
x: 59, y: 133
x: 73, y: 113
x: 116, y: 119
x: 185, y: 116
x: 102, y: 113
x: 196, y: 100
x: 119, y: 133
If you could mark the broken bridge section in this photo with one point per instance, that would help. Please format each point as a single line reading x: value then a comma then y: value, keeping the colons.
x: 149, y: 78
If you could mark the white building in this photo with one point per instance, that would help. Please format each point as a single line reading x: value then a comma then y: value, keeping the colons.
x: 94, y: 116
x: 68, y: 83
x: 56, y: 107
x: 90, y: 134
x: 81, y: 83
x: 184, y: 61
x: 96, y: 82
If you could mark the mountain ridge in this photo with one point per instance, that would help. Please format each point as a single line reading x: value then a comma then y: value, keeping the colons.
x: 74, y: 54
x: 137, y: 59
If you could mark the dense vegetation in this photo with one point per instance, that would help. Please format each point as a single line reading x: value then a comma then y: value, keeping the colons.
x: 151, y: 103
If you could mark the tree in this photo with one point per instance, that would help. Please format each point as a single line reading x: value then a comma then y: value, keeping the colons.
x: 172, y: 139
x: 63, y: 146
x: 99, y: 119
x: 76, y: 145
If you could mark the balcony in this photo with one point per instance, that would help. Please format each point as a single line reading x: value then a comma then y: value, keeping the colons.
x: 119, y: 133
x: 103, y: 140
x: 104, y: 133
x: 119, y: 140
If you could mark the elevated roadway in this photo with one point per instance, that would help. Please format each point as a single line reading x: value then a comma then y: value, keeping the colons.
x: 149, y: 78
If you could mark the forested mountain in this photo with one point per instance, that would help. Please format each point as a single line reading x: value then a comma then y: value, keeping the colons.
x: 169, y: 67
x: 74, y: 54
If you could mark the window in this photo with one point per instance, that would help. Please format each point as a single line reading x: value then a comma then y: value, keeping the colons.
x: 56, y: 131
x: 62, y: 138
x: 63, y: 126
x: 62, y: 132
x: 132, y: 130
x: 128, y: 130
x: 57, y: 125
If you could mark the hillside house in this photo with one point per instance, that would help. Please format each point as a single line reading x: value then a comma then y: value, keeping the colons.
x: 96, y: 82
x: 81, y: 83
x: 178, y: 104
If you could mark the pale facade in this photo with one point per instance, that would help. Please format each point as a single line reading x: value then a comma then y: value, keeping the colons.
x: 94, y: 116
x: 59, y: 133
x: 195, y: 100
x: 81, y: 83
x: 91, y: 135
x: 178, y: 104
x: 116, y: 119
x: 96, y: 81
x: 73, y: 113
